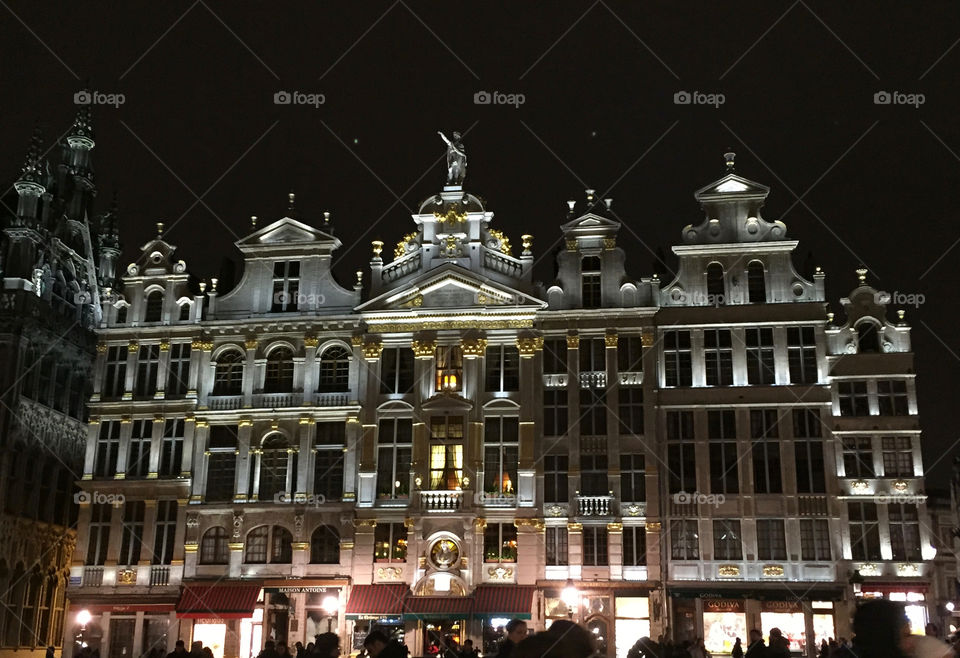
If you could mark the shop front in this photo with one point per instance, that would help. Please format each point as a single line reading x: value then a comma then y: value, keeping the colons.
x: 493, y: 607
x: 228, y: 618
x: 439, y: 622
x: 722, y: 617
x: 117, y: 630
x: 913, y: 596
x: 616, y: 616
x: 375, y: 607
x: 300, y: 610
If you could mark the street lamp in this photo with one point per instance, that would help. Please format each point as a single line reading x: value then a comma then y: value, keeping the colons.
x: 330, y: 606
x: 857, y: 581
x: 570, y: 596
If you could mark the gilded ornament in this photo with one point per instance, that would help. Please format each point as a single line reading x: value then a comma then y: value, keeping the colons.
x: 573, y: 341
x: 610, y: 340
x: 728, y: 570
x: 372, y: 350
x: 503, y: 242
x: 473, y: 347
x: 528, y: 345
x: 424, y: 349
x: 773, y: 570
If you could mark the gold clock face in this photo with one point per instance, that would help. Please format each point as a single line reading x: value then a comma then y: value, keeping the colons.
x: 444, y: 554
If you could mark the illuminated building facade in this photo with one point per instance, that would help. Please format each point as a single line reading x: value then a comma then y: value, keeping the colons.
x: 451, y: 444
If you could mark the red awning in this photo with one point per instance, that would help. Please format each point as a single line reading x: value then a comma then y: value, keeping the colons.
x: 376, y: 601
x: 890, y: 588
x: 437, y: 607
x: 503, y: 601
x: 224, y: 601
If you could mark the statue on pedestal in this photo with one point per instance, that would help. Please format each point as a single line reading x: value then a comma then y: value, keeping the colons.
x: 456, y: 159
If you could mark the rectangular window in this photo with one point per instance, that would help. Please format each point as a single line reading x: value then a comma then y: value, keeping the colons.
x: 760, y: 363
x: 726, y: 540
x: 99, y: 533
x: 171, y: 449
x: 286, y: 286
x: 138, y: 455
x: 634, y: 546
x: 503, y: 368
x: 892, y: 397
x: 684, y: 540
x: 718, y: 357
x: 678, y: 369
x: 501, y: 452
x: 630, y: 410
x: 221, y: 464
x: 633, y: 488
x: 590, y: 282
x: 148, y: 363
x: 557, y: 551
x: 630, y: 354
x: 854, y: 400
x: 449, y: 361
x: 858, y: 457
x: 390, y: 542
x: 331, y: 433
x: 328, y: 472
x: 681, y: 456
x: 594, y: 472
x: 724, y: 468
x: 595, y: 546
x: 864, y: 531
x: 593, y: 355
x: 555, y: 478
x: 593, y: 412
x: 555, y: 412
x: 815, y: 540
x: 904, y: 532
x: 554, y: 356
x: 500, y: 542
x: 115, y: 374
x: 811, y: 473
x: 131, y: 537
x: 446, y: 466
x: 396, y: 370
x: 108, y: 449
x: 178, y: 376
x: 802, y: 355
x: 166, y: 531
x: 771, y: 540
x: 765, y: 447
x: 394, y: 456
x: 897, y: 456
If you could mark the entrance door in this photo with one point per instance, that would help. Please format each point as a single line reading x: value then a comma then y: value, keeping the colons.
x: 121, y: 637
x: 600, y: 630
x: 438, y: 634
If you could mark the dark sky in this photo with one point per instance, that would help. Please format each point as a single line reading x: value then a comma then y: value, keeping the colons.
x: 876, y: 182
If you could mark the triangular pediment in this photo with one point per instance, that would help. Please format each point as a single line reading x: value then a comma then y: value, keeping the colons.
x: 287, y: 231
x: 451, y: 286
x: 590, y: 223
x: 731, y: 186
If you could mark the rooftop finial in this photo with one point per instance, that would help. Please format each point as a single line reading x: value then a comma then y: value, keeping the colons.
x: 291, y: 198
x: 862, y: 274
x: 253, y: 222
x: 729, y: 157
x: 159, y: 229
x: 590, y: 194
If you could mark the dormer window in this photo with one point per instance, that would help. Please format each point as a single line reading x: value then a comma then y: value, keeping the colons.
x: 756, y: 283
x: 154, y: 309
x: 716, y: 291
x: 449, y: 368
x: 286, y: 286
x: 122, y: 315
x: 590, y: 282
x: 868, y: 337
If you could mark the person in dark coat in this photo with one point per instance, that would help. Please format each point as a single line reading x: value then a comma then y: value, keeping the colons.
x: 380, y: 646
x: 516, y: 632
x: 737, y: 651
x: 779, y: 646
x: 179, y: 650
x: 269, y: 650
x: 756, y: 648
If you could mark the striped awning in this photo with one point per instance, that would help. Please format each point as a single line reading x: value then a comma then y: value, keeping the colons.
x: 224, y: 601
x: 437, y: 607
x: 375, y: 601
x: 503, y: 601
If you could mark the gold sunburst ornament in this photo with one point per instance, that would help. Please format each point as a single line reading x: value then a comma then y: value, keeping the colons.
x: 451, y: 216
x: 401, y: 249
x: 502, y: 239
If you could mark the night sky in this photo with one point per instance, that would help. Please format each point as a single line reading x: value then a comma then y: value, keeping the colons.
x: 876, y: 182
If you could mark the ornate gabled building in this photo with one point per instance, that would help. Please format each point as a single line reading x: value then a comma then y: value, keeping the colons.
x: 462, y: 445
x: 55, y: 255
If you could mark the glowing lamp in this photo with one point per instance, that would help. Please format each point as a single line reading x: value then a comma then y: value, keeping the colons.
x: 84, y: 617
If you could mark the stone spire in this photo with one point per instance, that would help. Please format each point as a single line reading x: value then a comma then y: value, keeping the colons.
x: 108, y: 245
x: 30, y: 185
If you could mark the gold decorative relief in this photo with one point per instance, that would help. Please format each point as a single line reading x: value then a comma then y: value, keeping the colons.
x: 451, y: 217
x: 356, y: 341
x: 610, y: 340
x: 389, y: 573
x: 133, y: 346
x: 101, y: 347
x: 372, y: 351
x: 424, y: 349
x: 653, y: 526
x: 728, y: 570
x: 500, y: 573
x: 164, y: 345
x: 646, y: 338
x: 473, y: 347
x: 406, y: 245
x: 502, y: 241
x: 573, y: 341
x: 609, y: 243
x: 571, y: 245
x: 310, y: 341
x: 772, y: 570
x: 900, y: 486
x: 127, y: 577
x: 250, y: 343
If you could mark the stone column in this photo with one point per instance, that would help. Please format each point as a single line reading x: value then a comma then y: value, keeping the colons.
x: 245, y: 459
x: 528, y: 346
x: 575, y: 549
x: 367, y: 446
x: 613, y: 416
x: 304, y: 484
x: 251, y: 375
x: 474, y: 350
x: 200, y: 377
x: 146, y: 545
x: 573, y: 413
x: 310, y: 369
x: 163, y: 368
x: 126, y: 431
x: 90, y: 455
x: 194, y: 443
x: 99, y: 372
x: 132, y: 349
x: 615, y: 550
x: 156, y: 443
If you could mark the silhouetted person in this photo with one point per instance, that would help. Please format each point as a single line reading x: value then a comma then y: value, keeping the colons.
x: 516, y: 632
x: 756, y: 648
x: 179, y: 650
x: 737, y: 651
x: 380, y: 646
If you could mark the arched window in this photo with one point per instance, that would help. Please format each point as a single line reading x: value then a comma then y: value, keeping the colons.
x: 228, y: 377
x: 756, y: 283
x: 185, y: 311
x: 325, y: 545
x: 275, y: 458
x: 279, y: 377
x: 275, y: 543
x: 214, y: 547
x: 154, y: 310
x: 868, y: 337
x: 334, y: 370
x: 716, y: 291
